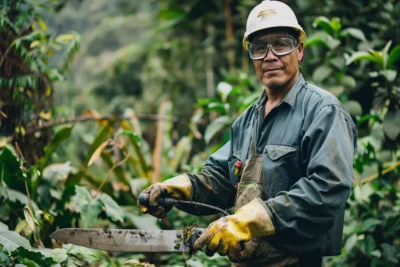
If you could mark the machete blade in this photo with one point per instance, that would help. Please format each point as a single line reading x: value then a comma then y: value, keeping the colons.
x: 127, y: 240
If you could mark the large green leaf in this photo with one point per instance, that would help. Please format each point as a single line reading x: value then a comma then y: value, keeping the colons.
x: 324, y: 23
x: 354, y: 32
x: 224, y: 89
x: 362, y: 55
x: 81, y: 198
x: 81, y: 252
x: 16, y: 197
x: 10, y: 171
x: 321, y: 73
x: 30, y: 255
x: 59, y: 255
x: 394, y: 56
x: 12, y: 240
x: 353, y: 107
x: 89, y: 213
x: 112, y: 209
x: 63, y: 134
x: 216, y: 126
x: 101, y: 136
x: 391, y: 124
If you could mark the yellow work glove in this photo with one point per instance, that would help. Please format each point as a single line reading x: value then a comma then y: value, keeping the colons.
x: 227, y: 235
x: 178, y: 187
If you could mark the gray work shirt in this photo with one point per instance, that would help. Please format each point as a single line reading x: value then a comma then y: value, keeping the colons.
x: 308, y: 143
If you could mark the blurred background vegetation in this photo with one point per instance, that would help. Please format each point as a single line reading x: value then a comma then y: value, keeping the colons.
x: 101, y: 98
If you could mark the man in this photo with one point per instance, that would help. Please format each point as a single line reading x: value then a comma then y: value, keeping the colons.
x: 288, y: 166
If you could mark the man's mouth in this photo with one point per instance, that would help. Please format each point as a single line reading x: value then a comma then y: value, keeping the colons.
x: 271, y: 69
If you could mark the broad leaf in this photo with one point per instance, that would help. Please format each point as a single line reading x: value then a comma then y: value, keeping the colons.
x: 224, y: 89
x: 216, y: 126
x: 112, y: 209
x: 30, y: 255
x: 59, y: 255
x: 321, y: 73
x: 3, y: 226
x: 89, y: 213
x: 102, y: 136
x: 61, y: 135
x: 81, y: 198
x: 353, y: 107
x: 4, y: 259
x: 84, y: 253
x: 369, y: 225
x: 354, y: 32
x: 360, y: 55
x: 348, y: 81
x: 10, y: 171
x: 390, y: 75
x: 12, y: 240
x: 391, y: 124
x: 394, y: 56
x: 97, y: 152
x: 324, y: 23
x: 16, y: 197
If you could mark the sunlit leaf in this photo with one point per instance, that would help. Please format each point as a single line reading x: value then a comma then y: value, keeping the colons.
x: 391, y: 124
x: 360, y: 55
x: 216, y: 126
x: 65, y: 38
x: 62, y: 135
x: 390, y: 75
x: 100, y: 138
x: 12, y: 240
x: 394, y: 56
x: 324, y: 23
x: 59, y: 255
x: 321, y: 73
x: 224, y: 89
x: 34, y: 256
x: 356, y: 33
x: 89, y: 213
x: 353, y: 107
x: 112, y: 209
x: 350, y: 242
x: 42, y: 25
x: 98, y: 151
x: 84, y: 253
x: 348, y: 81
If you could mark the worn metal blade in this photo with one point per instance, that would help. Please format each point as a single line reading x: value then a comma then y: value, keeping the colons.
x: 124, y: 240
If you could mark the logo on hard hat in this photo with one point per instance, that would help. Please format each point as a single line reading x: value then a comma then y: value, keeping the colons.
x: 266, y: 12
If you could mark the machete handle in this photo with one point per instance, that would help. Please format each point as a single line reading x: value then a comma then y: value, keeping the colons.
x: 195, y: 234
x: 164, y: 202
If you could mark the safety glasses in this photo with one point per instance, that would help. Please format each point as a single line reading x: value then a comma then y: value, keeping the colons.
x: 280, y: 46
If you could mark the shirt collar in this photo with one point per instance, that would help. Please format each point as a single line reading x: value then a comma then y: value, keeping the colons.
x: 290, y: 97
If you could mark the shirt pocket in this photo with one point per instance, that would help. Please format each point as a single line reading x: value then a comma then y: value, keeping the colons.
x: 281, y: 168
x: 231, y: 164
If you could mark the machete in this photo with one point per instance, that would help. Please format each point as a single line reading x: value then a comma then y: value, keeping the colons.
x: 132, y: 240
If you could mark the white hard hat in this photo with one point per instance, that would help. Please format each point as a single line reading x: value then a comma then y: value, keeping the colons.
x: 271, y: 14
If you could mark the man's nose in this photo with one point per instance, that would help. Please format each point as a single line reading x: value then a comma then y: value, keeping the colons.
x: 270, y: 55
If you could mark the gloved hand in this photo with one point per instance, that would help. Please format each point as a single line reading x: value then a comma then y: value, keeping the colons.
x: 178, y: 187
x: 227, y: 234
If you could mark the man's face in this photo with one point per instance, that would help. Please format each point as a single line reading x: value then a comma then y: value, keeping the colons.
x: 278, y: 72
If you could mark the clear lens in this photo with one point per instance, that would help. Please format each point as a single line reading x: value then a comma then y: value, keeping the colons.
x: 280, y: 45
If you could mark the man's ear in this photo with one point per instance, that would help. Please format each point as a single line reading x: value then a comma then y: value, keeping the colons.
x: 300, y: 49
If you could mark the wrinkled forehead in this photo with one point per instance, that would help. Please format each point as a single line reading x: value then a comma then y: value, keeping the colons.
x: 273, y: 32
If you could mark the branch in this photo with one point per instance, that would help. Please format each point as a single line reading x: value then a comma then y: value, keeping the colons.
x: 51, y: 124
